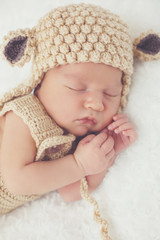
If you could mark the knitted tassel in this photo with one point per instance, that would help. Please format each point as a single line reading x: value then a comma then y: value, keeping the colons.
x: 97, y: 217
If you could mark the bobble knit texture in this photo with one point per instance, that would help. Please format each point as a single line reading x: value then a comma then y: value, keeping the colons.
x: 74, y: 34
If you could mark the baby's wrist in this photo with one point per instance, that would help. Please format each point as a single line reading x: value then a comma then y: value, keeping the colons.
x: 79, y: 165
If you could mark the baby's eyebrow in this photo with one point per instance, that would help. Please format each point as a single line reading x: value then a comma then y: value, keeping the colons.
x: 80, y: 78
x: 73, y: 76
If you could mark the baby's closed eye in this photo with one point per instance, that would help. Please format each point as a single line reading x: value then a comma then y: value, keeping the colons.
x: 76, y: 87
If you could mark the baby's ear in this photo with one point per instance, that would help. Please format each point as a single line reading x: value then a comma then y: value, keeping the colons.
x: 147, y: 46
x: 18, y: 47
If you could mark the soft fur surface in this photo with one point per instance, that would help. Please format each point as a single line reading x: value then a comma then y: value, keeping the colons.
x: 129, y: 196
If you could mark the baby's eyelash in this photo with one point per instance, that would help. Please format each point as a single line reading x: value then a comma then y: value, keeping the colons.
x: 75, y: 89
x: 83, y: 89
x: 110, y: 95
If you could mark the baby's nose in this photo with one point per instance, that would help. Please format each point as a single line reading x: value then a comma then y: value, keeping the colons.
x: 94, y: 100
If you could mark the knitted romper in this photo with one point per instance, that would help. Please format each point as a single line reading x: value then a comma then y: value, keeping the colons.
x: 49, y: 139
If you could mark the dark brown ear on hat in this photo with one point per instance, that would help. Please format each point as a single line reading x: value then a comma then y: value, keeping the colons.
x: 18, y: 46
x: 15, y: 48
x: 147, y: 46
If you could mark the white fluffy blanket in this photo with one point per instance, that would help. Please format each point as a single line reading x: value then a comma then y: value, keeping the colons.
x: 129, y: 196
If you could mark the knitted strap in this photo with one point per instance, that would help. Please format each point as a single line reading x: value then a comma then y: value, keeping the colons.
x: 97, y: 217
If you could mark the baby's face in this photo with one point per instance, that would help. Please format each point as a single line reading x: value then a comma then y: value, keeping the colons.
x: 81, y: 97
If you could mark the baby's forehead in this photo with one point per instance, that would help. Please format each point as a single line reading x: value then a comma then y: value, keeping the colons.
x: 88, y: 68
x: 85, y: 74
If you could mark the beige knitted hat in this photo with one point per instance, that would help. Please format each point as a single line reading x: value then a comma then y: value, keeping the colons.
x: 71, y: 34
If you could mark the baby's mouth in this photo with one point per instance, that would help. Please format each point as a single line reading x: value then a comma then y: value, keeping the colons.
x: 87, y: 120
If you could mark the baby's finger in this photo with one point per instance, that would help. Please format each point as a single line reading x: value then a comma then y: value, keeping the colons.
x: 107, y: 146
x: 111, y: 161
x: 131, y: 134
x: 110, y: 155
x: 125, y: 139
x: 87, y: 139
x: 117, y: 123
x: 125, y: 126
x: 108, y: 132
x: 99, y: 139
x: 105, y: 130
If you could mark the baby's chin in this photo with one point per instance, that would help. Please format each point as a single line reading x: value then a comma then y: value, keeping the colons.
x: 84, y: 130
x: 79, y: 131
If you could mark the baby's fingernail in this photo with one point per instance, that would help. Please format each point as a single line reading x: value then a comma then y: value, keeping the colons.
x: 109, y: 127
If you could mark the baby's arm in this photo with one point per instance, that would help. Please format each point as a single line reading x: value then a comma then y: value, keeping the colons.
x: 71, y: 192
x: 24, y: 176
x: 19, y: 171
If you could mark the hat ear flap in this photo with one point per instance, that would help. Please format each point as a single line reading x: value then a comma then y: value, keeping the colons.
x: 18, y: 47
x: 147, y: 46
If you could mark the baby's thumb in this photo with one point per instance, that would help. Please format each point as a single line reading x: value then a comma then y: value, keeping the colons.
x: 87, y: 139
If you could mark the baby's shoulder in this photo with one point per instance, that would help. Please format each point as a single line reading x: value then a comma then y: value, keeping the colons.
x: 17, y: 139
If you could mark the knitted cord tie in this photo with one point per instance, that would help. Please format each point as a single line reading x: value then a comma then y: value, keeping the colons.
x: 85, y: 195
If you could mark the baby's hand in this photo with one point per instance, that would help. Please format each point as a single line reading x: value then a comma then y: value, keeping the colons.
x: 94, y: 153
x: 122, y: 131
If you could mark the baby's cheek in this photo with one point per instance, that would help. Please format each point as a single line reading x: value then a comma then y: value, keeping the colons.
x: 101, y: 125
